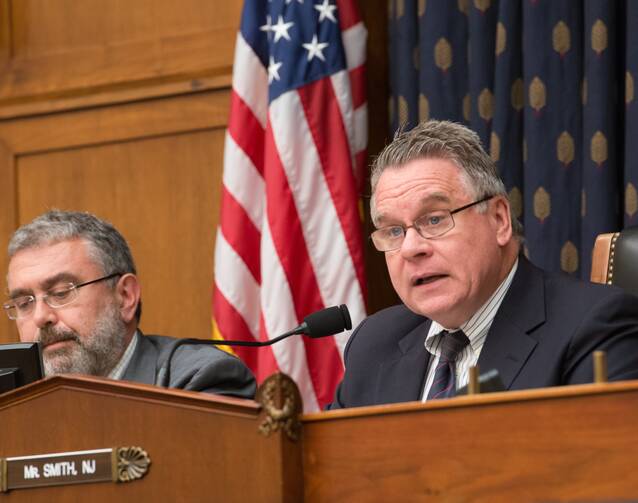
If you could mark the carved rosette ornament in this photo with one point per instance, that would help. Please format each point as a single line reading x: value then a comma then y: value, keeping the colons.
x: 537, y: 95
x: 565, y: 148
x: 561, y: 40
x: 631, y: 200
x: 130, y: 463
x: 569, y: 257
x: 542, y: 204
x: 282, y: 405
x: 443, y: 54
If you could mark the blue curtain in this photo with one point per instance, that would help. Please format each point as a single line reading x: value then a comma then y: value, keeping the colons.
x: 549, y: 87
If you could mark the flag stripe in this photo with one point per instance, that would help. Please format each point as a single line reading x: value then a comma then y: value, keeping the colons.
x: 240, y: 233
x: 279, y: 316
x: 348, y: 14
x: 288, y: 238
x: 354, y: 45
x: 326, y: 126
x: 311, y: 197
x: 243, y: 181
x: 290, y: 243
x: 358, y: 86
x: 237, y: 284
x: 250, y: 80
x: 247, y: 132
x: 234, y: 326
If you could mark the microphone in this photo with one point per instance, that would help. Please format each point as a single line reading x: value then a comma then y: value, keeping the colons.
x: 328, y: 321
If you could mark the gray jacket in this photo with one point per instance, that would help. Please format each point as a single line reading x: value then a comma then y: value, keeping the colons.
x: 193, y: 367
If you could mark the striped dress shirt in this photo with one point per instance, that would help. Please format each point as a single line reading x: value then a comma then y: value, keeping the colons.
x: 475, y: 328
x: 120, y: 368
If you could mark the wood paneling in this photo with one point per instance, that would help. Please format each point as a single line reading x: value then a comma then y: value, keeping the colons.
x: 162, y: 194
x: 62, y: 47
x: 153, y: 168
x: 568, y: 443
x: 202, y: 447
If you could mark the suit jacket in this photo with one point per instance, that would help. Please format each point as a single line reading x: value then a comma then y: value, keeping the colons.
x: 542, y: 335
x: 193, y: 367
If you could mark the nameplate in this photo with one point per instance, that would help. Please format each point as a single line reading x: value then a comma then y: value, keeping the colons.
x: 119, y: 464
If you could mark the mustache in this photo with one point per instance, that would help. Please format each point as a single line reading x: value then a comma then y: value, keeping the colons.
x: 49, y: 335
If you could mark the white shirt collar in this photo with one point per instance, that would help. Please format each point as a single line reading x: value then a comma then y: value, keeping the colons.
x: 476, y: 327
x: 120, y: 368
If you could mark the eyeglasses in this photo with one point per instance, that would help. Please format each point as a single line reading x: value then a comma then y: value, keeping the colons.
x: 430, y: 225
x: 23, y: 306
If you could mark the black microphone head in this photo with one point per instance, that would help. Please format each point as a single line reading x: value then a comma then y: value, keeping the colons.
x: 328, y: 321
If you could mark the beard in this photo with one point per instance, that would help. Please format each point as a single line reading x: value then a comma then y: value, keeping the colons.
x: 94, y: 354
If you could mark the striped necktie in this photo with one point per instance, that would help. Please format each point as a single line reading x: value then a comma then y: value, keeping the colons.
x: 444, y: 383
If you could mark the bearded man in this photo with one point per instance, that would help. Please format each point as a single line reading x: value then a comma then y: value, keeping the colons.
x: 73, y: 288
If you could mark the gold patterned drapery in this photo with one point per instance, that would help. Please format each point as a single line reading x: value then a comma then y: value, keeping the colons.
x: 549, y: 85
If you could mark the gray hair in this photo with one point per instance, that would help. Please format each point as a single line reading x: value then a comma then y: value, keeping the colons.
x: 444, y: 140
x: 107, y: 247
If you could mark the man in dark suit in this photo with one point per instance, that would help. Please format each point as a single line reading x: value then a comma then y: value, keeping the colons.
x: 73, y: 287
x: 452, y: 249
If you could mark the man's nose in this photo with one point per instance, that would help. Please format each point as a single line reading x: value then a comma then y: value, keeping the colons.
x: 43, y: 314
x: 414, y: 244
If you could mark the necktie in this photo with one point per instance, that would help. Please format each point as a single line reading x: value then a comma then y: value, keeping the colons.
x: 444, y: 383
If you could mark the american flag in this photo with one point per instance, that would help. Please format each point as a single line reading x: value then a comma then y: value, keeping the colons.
x: 289, y: 241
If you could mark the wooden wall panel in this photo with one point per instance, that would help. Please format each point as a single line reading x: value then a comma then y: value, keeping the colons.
x: 8, y: 220
x: 68, y: 46
x: 153, y: 168
x: 162, y: 193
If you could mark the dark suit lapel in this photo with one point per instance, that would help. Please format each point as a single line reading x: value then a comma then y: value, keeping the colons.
x: 508, y: 344
x: 401, y: 378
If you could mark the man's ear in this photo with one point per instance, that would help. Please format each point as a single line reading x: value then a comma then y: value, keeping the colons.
x: 502, y: 220
x: 128, y: 294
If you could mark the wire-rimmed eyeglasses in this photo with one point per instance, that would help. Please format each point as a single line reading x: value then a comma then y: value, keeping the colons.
x: 429, y: 225
x: 60, y: 296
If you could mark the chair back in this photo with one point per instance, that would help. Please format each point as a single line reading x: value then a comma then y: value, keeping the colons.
x: 615, y: 259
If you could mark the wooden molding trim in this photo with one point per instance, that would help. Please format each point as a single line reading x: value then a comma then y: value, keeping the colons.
x: 556, y: 392
x: 114, y: 94
x: 144, y: 392
x: 5, y: 35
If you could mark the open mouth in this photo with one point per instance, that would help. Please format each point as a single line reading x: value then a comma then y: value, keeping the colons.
x: 426, y: 280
